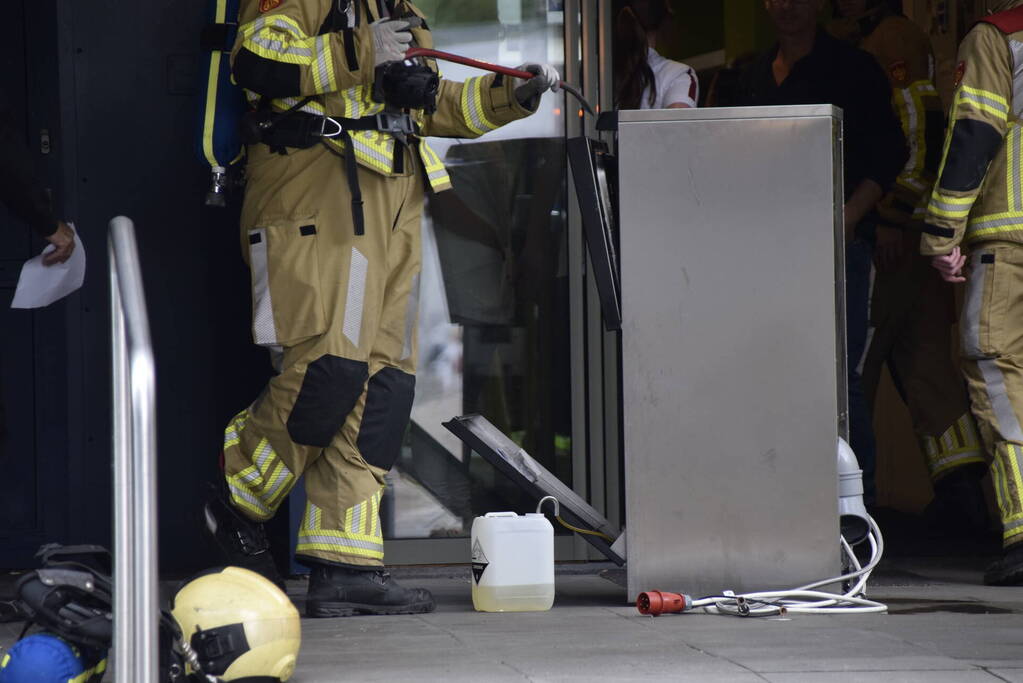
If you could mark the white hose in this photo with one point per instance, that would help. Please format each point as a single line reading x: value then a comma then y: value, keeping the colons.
x: 804, y: 599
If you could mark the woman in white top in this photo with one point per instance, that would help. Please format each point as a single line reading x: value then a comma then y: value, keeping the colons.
x: 643, y: 78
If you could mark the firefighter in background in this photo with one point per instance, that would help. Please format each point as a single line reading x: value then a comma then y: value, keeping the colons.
x: 911, y: 307
x: 337, y: 171
x: 977, y: 206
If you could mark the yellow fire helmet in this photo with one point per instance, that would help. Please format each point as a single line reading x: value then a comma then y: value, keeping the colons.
x: 239, y: 625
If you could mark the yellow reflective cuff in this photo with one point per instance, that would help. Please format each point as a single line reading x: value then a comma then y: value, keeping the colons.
x: 472, y: 106
x: 984, y: 100
x: 949, y: 206
x: 945, y: 213
x: 953, y: 200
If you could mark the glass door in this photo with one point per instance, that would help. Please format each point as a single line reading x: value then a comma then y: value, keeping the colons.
x: 494, y: 323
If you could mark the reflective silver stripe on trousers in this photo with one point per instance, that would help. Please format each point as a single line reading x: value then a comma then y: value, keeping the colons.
x: 994, y: 380
x: 971, y: 310
x: 340, y: 542
x: 411, y: 312
x: 263, y: 330
x: 356, y: 296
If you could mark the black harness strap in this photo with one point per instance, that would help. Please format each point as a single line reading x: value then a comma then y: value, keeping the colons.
x: 352, y: 171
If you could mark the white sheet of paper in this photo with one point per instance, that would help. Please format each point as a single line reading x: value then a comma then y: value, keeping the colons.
x: 41, y: 285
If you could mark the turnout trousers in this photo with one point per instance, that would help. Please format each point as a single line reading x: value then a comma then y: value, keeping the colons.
x: 338, y: 313
x: 992, y: 341
x: 911, y: 319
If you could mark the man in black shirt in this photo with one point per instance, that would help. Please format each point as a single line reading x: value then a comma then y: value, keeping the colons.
x: 808, y: 66
x: 22, y: 193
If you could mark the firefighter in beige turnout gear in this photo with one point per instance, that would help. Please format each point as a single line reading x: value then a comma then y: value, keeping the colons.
x: 911, y: 307
x: 978, y: 203
x: 334, y: 255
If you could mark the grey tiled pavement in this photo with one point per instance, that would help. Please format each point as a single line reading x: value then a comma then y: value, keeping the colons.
x: 944, y: 627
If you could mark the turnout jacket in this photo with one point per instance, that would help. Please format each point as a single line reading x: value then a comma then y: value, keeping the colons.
x: 287, y: 50
x: 979, y: 195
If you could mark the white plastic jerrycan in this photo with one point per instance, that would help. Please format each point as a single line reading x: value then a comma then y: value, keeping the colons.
x: 512, y: 563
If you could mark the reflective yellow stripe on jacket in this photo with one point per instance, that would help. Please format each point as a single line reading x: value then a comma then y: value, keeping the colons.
x: 278, y: 37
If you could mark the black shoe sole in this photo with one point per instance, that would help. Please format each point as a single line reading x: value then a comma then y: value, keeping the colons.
x: 1004, y: 577
x: 329, y: 609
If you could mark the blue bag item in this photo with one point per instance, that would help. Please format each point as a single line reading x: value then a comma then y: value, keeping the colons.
x: 223, y: 103
x: 45, y: 658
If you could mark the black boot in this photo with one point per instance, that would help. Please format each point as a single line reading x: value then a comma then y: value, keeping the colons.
x: 241, y: 542
x: 1007, y: 571
x: 959, y: 509
x: 340, y: 592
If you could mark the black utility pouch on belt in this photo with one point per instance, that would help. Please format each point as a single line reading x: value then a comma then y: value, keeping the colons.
x: 406, y: 86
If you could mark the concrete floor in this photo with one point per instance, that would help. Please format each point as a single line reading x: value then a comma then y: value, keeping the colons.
x: 942, y: 626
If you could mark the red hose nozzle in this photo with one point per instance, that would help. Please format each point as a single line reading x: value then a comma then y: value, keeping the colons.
x: 656, y: 603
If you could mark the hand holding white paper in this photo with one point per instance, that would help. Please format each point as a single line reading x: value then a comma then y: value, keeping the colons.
x: 41, y: 285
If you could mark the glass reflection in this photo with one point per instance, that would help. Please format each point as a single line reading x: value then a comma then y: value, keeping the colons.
x: 493, y: 322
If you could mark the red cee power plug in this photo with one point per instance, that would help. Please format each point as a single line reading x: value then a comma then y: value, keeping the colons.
x: 656, y: 603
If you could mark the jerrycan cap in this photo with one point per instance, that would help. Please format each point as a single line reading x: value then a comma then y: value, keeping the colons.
x: 501, y: 514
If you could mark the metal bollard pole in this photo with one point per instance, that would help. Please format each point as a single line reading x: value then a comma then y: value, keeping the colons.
x: 136, y: 612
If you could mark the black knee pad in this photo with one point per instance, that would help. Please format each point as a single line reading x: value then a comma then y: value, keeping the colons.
x: 331, y: 387
x: 388, y: 406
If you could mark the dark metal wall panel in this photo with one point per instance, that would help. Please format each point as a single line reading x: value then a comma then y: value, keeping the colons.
x: 135, y: 99
x: 33, y: 344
